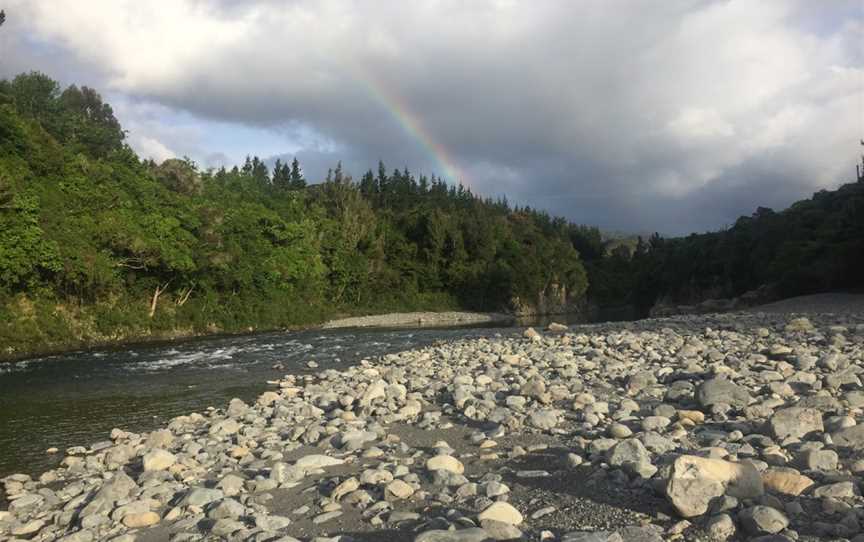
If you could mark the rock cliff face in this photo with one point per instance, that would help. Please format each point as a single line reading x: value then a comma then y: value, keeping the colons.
x: 554, y: 299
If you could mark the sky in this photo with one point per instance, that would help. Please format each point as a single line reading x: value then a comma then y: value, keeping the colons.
x: 672, y: 116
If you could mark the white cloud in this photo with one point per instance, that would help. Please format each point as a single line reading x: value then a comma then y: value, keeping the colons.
x: 645, y: 105
x: 148, y: 147
x: 698, y: 123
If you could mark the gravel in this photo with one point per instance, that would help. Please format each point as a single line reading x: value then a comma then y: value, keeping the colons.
x: 714, y: 427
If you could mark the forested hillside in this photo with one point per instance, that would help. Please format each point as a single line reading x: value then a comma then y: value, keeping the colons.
x: 98, y: 245
x: 815, y: 245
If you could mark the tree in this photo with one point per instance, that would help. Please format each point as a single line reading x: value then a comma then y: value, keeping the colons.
x: 588, y: 241
x: 255, y: 170
x: 2, y: 17
x: 124, y: 247
x: 297, y: 181
x: 281, y: 176
x: 88, y: 122
x: 383, y: 183
x: 338, y: 176
x: 859, y: 170
x: 179, y: 176
x: 35, y: 95
x: 25, y: 249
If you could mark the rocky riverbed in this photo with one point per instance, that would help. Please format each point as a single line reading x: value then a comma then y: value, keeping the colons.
x: 716, y: 427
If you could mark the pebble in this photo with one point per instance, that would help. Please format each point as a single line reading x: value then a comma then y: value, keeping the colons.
x: 503, y: 512
x: 317, y: 461
x: 748, y: 424
x: 140, y: 520
x: 763, y: 520
x: 399, y: 489
x: 327, y: 516
x: 158, y: 460
x: 464, y: 535
x: 446, y: 463
x: 28, y: 529
x: 542, y: 512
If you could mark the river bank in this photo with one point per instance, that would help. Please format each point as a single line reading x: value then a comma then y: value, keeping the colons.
x: 730, y: 426
x: 76, y: 398
x: 417, y: 319
x: 117, y: 343
x: 179, y: 336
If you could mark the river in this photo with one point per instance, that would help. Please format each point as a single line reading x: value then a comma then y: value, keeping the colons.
x: 75, y: 399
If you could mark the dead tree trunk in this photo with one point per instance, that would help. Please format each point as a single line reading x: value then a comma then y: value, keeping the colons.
x: 184, y: 297
x: 156, y: 293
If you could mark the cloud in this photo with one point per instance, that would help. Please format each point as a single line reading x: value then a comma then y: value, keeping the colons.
x: 671, y: 116
x: 147, y: 147
x: 694, y: 123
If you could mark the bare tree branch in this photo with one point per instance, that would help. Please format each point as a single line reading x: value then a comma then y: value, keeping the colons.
x: 184, y: 297
x: 131, y: 263
x: 156, y: 293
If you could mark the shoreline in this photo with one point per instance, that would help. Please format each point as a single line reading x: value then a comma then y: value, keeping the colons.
x: 442, y: 319
x: 421, y: 319
x: 845, y: 301
x: 603, y: 430
x: 138, y: 341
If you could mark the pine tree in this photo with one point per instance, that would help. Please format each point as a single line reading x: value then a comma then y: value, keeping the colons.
x: 281, y: 176
x: 259, y: 171
x: 368, y: 186
x: 383, y: 184
x: 860, y: 171
x: 297, y: 182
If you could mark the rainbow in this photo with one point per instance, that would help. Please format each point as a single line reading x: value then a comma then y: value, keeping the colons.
x: 412, y: 125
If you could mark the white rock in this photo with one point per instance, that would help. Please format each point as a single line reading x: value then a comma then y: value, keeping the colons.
x: 503, y: 512
x: 445, y: 462
x: 158, y: 460
x: 696, y: 480
x: 317, y: 461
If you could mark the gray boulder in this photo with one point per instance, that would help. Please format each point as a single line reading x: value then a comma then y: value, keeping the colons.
x: 851, y: 437
x: 796, y: 422
x: 763, y: 520
x: 722, y: 391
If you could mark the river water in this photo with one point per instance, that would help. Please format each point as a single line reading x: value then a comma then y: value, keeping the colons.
x: 77, y: 398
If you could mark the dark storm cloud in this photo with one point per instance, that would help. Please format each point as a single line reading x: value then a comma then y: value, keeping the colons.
x: 666, y: 116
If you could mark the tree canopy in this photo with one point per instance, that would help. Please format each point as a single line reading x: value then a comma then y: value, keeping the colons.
x: 95, y: 242
x: 815, y: 245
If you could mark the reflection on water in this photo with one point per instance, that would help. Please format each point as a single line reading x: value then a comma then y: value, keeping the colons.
x: 76, y: 399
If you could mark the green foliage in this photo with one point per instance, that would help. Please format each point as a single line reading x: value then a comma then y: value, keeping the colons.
x: 86, y: 124
x: 813, y: 246
x: 96, y: 245
x: 35, y: 95
x: 25, y: 253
